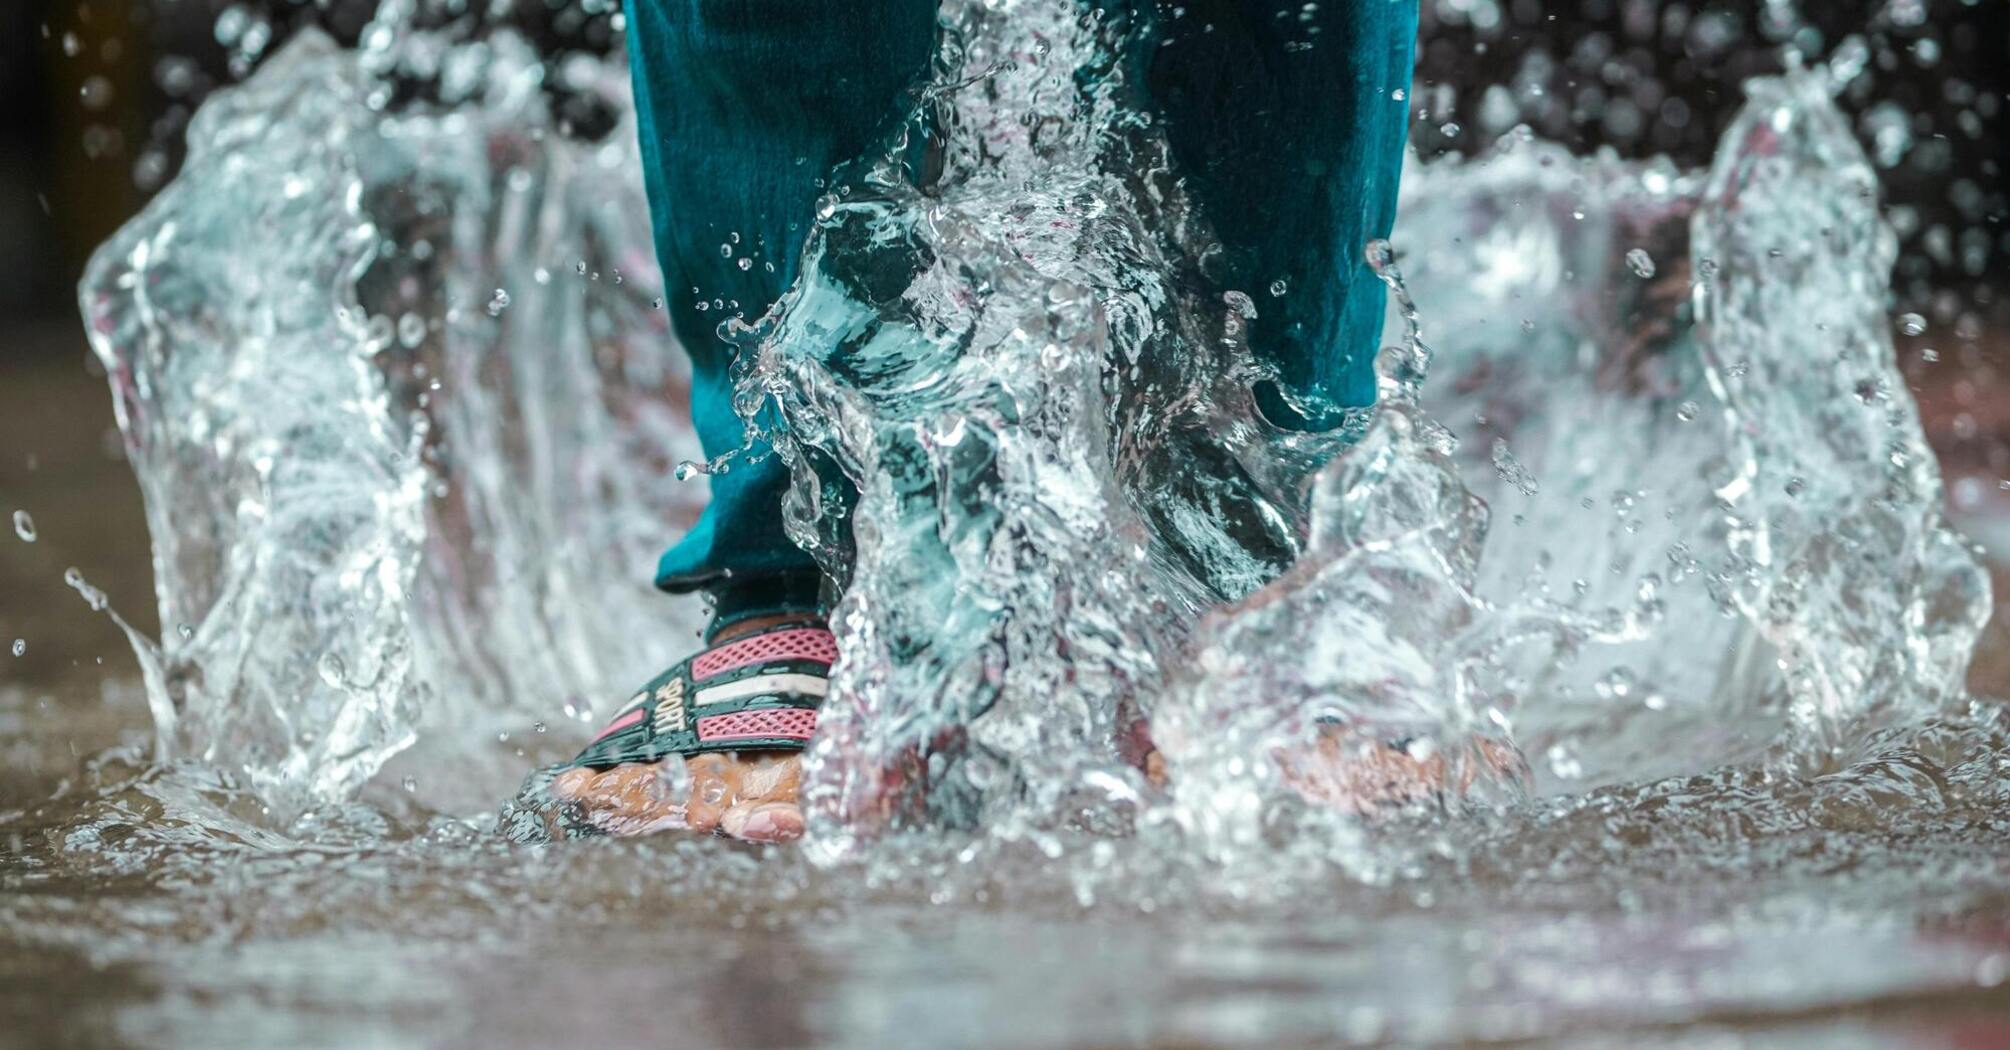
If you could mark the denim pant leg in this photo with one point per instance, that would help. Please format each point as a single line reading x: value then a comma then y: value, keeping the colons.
x: 744, y: 107
x: 1288, y: 119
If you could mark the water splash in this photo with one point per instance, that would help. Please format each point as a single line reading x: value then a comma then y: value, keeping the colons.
x: 382, y: 509
x: 988, y: 523
x: 1852, y: 574
x: 1643, y: 519
x: 1594, y: 634
x: 1058, y: 460
x: 1721, y: 607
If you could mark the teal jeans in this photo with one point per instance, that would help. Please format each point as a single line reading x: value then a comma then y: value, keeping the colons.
x: 746, y: 106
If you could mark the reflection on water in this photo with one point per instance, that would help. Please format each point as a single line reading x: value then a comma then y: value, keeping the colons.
x: 1647, y: 505
x: 1724, y: 902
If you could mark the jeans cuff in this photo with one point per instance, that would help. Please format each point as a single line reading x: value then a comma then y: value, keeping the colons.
x: 736, y: 600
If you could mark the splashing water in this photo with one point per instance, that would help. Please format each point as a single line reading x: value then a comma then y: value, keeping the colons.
x: 1712, y: 603
x: 1663, y: 506
x: 1058, y: 473
x: 1058, y: 460
x: 385, y: 504
x: 1640, y: 552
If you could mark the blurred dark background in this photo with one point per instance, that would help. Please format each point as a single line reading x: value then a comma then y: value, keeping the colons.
x: 96, y: 95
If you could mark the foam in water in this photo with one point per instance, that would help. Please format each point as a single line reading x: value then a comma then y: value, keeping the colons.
x: 403, y: 413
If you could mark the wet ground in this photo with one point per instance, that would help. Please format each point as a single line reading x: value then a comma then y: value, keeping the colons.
x: 1682, y: 914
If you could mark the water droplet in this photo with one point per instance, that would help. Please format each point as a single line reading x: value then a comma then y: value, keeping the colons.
x: 1563, y: 761
x: 1641, y: 263
x: 410, y: 784
x: 94, y: 597
x: 1279, y: 287
x: 24, y: 526
x: 1450, y: 129
x: 656, y: 303
x: 579, y: 267
x: 20, y: 646
x: 1795, y: 486
x: 96, y: 93
x: 1912, y: 324
x: 1687, y: 411
x: 1527, y: 326
x: 1617, y: 684
x: 498, y: 303
x: 411, y: 330
x: 1510, y: 469
x: 746, y: 264
x: 332, y: 670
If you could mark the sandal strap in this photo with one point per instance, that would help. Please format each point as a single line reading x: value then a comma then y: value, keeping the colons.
x: 758, y: 692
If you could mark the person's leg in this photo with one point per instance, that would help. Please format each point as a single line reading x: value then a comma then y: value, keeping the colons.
x: 1287, y: 118
x: 1293, y: 152
x: 745, y: 106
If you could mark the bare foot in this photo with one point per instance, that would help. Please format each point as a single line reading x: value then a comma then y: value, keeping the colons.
x: 749, y: 795
x: 1348, y: 771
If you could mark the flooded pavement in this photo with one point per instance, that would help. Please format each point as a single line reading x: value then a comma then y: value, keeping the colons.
x: 1625, y: 922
